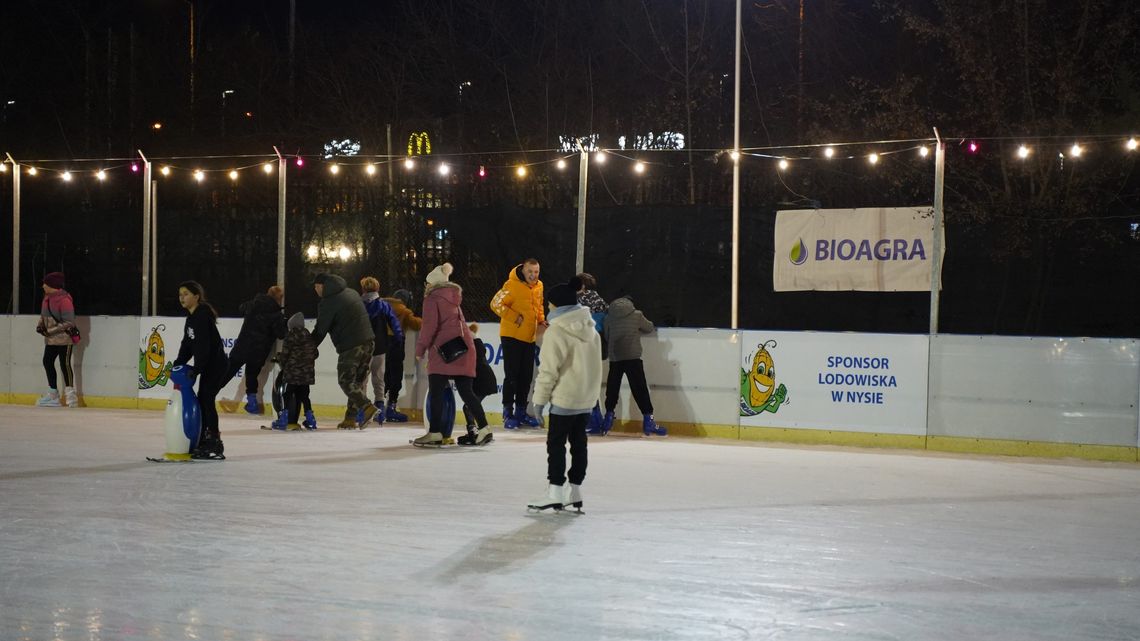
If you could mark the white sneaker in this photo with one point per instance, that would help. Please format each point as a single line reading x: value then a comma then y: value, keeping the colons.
x: 573, y: 496
x: 49, y: 399
x: 551, y: 500
x: 71, y: 397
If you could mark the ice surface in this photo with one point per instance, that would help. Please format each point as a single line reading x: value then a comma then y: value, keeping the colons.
x: 337, y: 535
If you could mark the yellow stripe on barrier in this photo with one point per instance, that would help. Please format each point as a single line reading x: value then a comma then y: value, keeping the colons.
x: 966, y: 445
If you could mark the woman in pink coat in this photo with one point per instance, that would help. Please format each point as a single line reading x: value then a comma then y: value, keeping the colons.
x: 442, y: 322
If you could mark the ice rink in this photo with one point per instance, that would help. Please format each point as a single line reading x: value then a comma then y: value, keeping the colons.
x: 358, y: 535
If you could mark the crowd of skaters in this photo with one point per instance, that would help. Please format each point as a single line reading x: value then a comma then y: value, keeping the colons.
x: 575, y: 327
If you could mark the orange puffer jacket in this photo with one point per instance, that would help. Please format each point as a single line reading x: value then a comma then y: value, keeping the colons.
x: 517, y: 299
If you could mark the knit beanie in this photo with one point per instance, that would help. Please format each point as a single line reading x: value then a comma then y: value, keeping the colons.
x: 54, y: 280
x: 403, y: 295
x: 439, y: 275
x: 561, y: 295
x: 297, y: 321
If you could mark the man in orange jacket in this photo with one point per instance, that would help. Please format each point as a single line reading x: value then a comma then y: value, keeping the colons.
x: 519, y: 306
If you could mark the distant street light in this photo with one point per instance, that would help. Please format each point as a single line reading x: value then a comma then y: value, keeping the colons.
x: 225, y: 93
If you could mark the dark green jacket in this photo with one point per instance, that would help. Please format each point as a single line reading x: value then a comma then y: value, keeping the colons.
x: 342, y: 316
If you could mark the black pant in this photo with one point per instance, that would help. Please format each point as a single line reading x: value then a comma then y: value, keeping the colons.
x: 394, y: 370
x: 63, y: 353
x: 635, y: 370
x: 296, y: 400
x: 253, y: 361
x: 436, y: 384
x: 469, y: 413
x: 518, y: 369
x: 208, y: 388
x: 561, y: 427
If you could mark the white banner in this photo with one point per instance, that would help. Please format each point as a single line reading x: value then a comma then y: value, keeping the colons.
x: 851, y: 382
x: 878, y: 250
x: 159, y: 340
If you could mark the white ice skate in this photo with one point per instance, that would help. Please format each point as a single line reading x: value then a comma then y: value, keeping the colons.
x: 551, y: 500
x: 49, y: 399
x: 71, y: 397
x: 573, y: 497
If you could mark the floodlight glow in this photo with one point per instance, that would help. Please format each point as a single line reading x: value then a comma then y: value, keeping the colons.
x: 873, y: 159
x: 199, y: 175
x: 521, y: 171
x: 66, y: 176
x: 1023, y: 152
x: 828, y: 152
x: 444, y: 169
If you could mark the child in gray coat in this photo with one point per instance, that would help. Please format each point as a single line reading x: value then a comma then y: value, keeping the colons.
x: 623, y: 329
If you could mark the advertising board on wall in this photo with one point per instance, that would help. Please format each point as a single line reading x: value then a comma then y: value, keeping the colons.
x: 832, y: 381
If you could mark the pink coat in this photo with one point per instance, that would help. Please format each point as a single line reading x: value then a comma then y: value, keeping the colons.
x: 443, y: 321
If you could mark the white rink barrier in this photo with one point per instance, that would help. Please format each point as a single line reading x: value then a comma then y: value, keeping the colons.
x: 983, y: 394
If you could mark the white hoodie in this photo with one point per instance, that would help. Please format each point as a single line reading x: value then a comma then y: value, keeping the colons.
x: 570, y: 367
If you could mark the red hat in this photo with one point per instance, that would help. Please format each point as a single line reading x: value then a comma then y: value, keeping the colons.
x: 54, y: 280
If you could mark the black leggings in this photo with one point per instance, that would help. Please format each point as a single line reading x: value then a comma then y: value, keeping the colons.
x: 63, y: 353
x: 394, y: 371
x: 253, y: 364
x: 436, y: 384
x: 296, y: 400
x: 208, y: 388
x: 637, y: 385
x: 518, y: 369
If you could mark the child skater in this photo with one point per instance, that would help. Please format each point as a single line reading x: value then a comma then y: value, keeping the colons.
x: 569, y: 377
x: 484, y: 385
x: 624, y: 326
x: 298, y: 370
x: 202, y: 342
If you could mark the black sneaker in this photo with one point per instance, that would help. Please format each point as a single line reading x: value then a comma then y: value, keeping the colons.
x: 467, y: 439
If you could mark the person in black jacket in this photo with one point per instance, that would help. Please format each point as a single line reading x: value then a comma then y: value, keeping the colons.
x: 485, y: 384
x: 202, y: 342
x: 264, y: 322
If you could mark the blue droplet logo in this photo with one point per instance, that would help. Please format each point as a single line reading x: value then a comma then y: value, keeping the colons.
x: 798, y: 255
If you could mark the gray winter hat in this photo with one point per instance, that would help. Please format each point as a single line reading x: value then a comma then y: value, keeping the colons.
x: 297, y: 321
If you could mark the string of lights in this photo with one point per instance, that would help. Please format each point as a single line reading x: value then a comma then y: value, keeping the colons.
x: 870, y: 151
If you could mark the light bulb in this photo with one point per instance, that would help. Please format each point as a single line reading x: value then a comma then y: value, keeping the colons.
x: 482, y: 171
x: 233, y: 174
x: 561, y: 164
x: 135, y: 167
x: 267, y: 168
x: 873, y: 159
x: 334, y: 169
x: 312, y: 251
x: 639, y: 167
x: 924, y: 151
x: 101, y: 175
x: 444, y: 169
x: 409, y: 163
x: 521, y: 171
x: 165, y: 171
x: 783, y: 163
x: 1131, y: 144
x: 370, y: 169
x: 734, y: 155
x: 66, y: 176
x: 600, y: 157
x: 32, y: 171
x: 1023, y: 152
x: 344, y: 253
x: 1075, y: 150
x: 3, y: 168
x: 300, y: 161
x: 199, y: 175
x: 828, y: 152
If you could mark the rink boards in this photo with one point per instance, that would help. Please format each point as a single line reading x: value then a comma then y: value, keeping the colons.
x: 987, y: 394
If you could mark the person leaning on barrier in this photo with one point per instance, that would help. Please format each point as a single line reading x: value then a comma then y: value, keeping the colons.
x: 341, y: 315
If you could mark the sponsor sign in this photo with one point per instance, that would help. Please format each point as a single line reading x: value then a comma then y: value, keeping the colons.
x: 881, y: 250
x: 830, y: 381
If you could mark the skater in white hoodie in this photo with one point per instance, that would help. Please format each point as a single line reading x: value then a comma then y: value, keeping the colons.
x: 569, y: 377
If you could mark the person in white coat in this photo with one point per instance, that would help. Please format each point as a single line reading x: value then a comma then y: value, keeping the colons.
x: 569, y: 377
